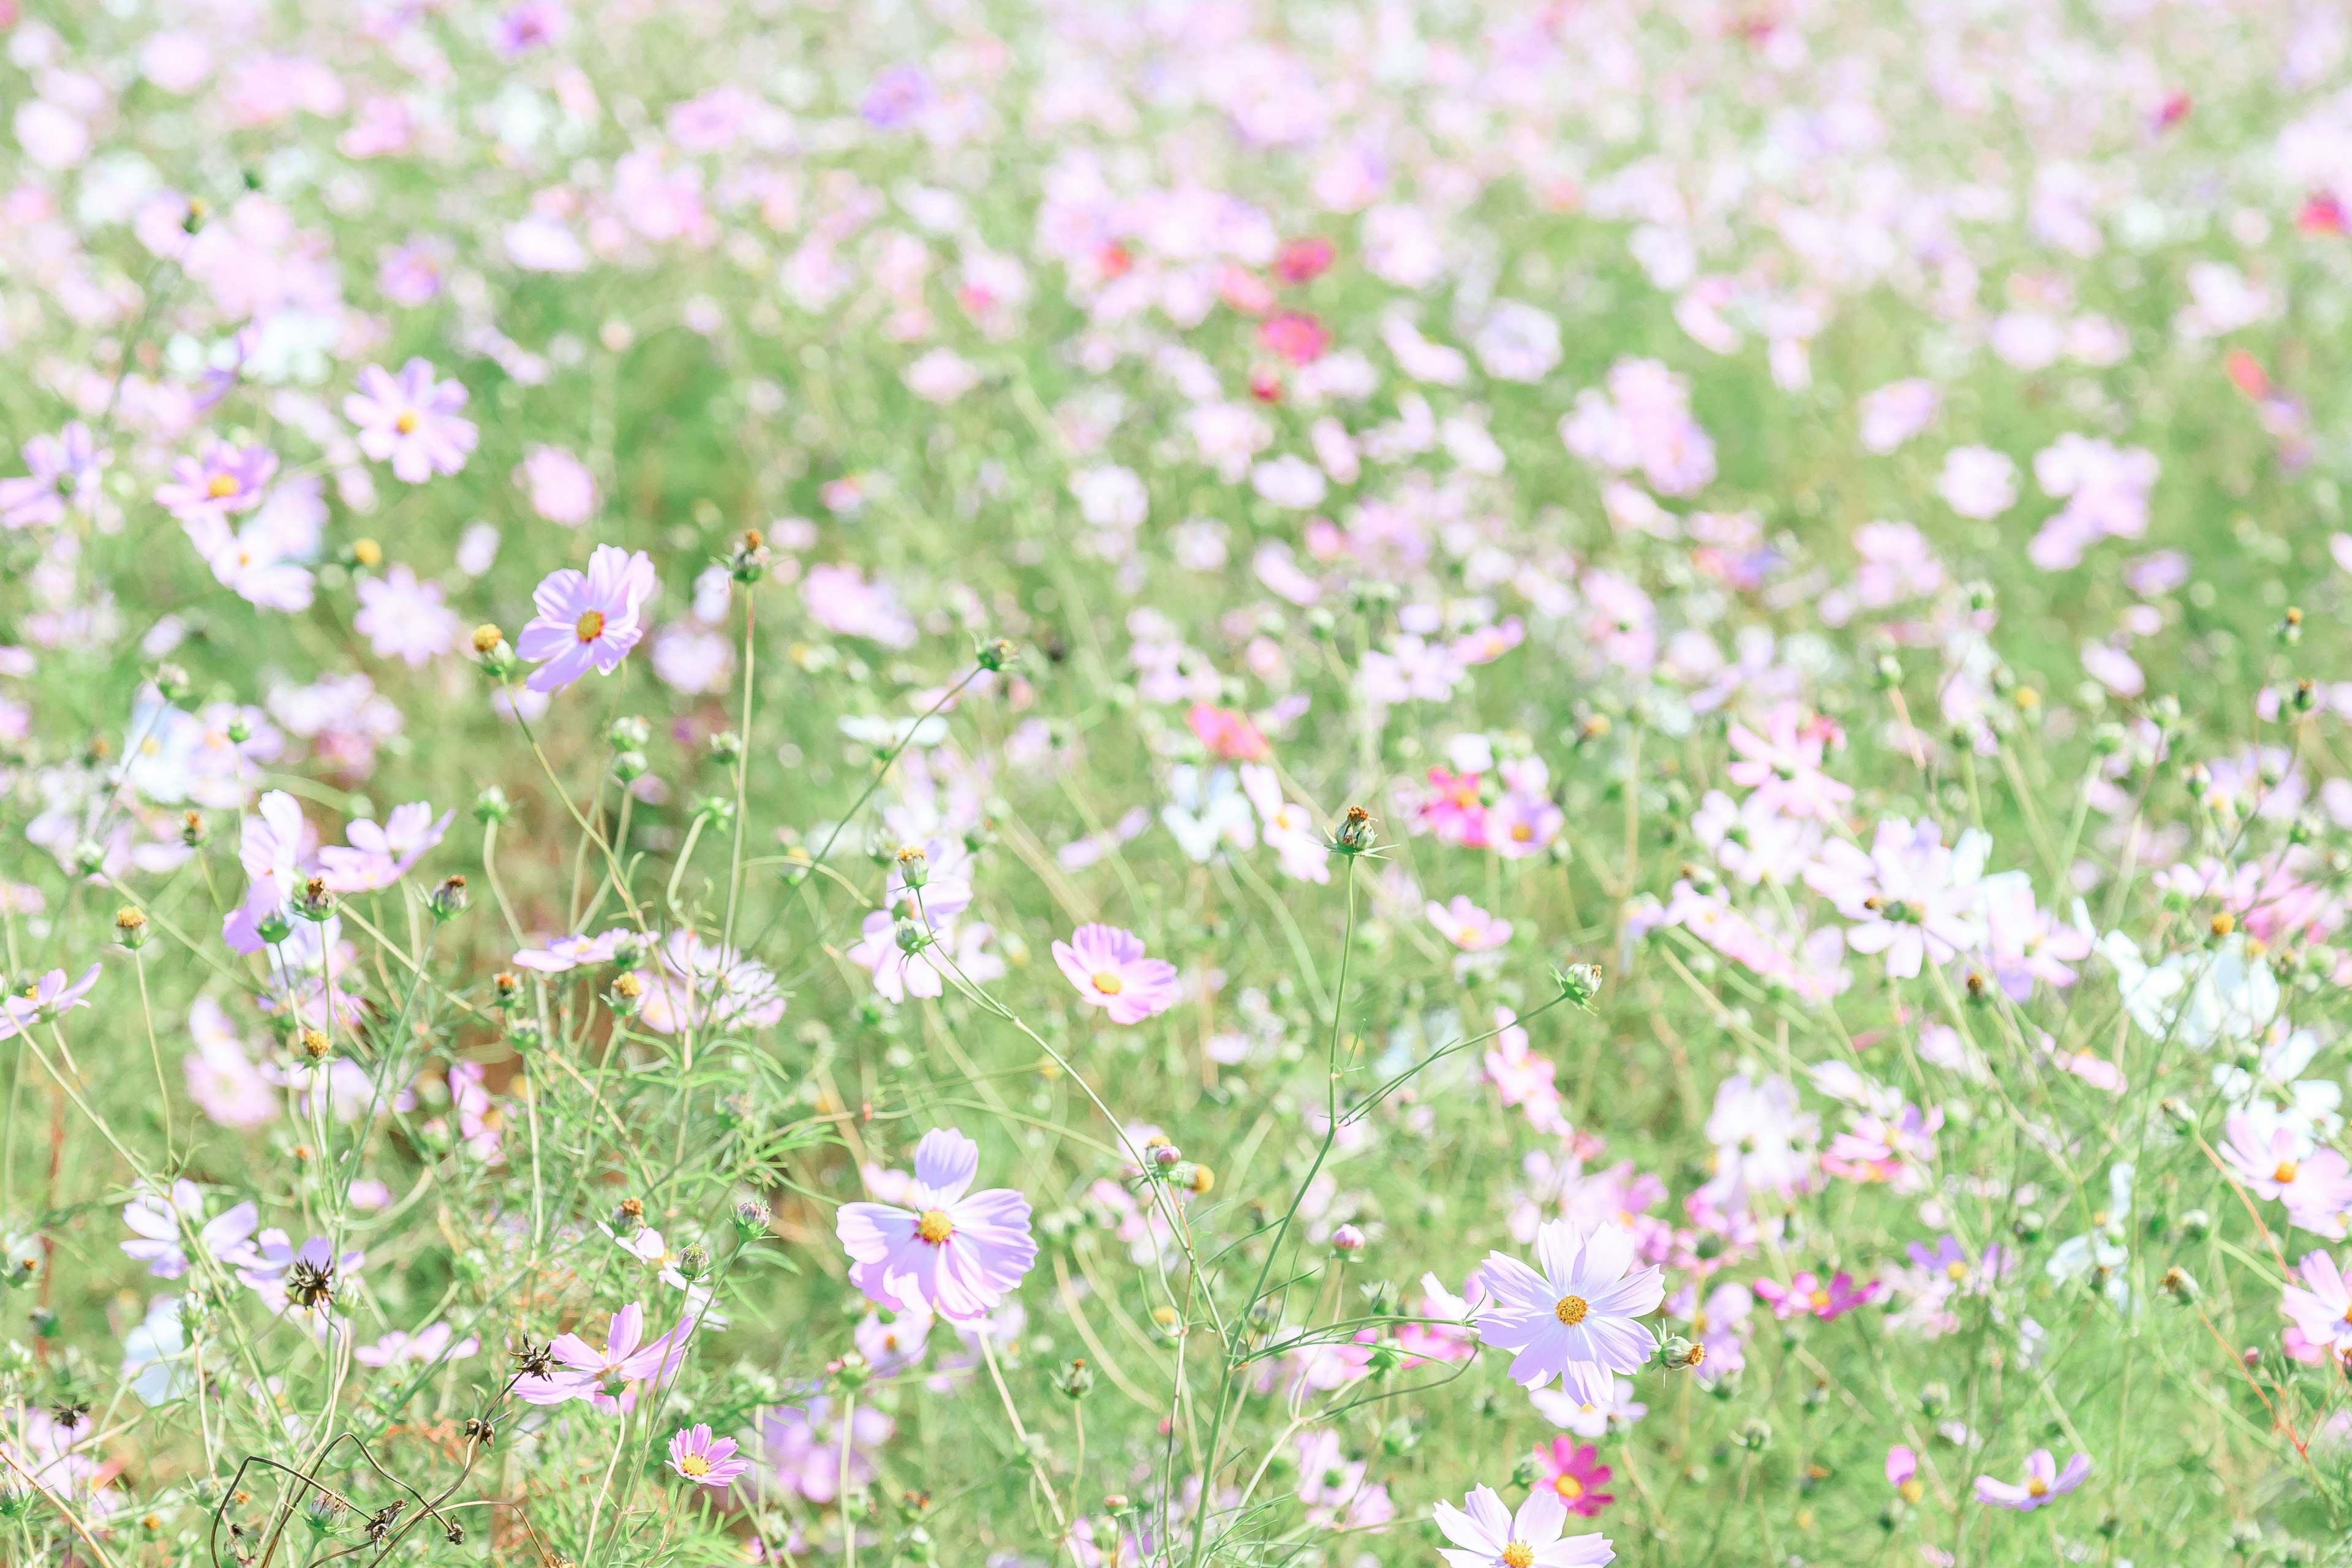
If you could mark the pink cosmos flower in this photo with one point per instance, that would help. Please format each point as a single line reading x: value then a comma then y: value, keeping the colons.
x: 222, y: 1079
x: 952, y: 1251
x: 1879, y: 1149
x: 1294, y: 335
x: 608, y: 1379
x: 381, y: 854
x: 1107, y: 967
x: 2316, y: 1185
x: 225, y: 481
x: 1228, y: 735
x: 1576, y: 1476
x: 587, y: 622
x: 45, y: 999
x: 411, y: 421
x: 62, y: 470
x: 1784, y: 765
x: 803, y: 1443
x: 1806, y: 1295
x: 569, y: 953
x: 704, y: 1460
x: 2026, y: 942
x: 1903, y: 1473
x: 1468, y: 926
x: 2321, y: 1306
x: 560, y: 488
x: 270, y: 850
x: 1485, y: 1534
x: 1576, y: 1319
x: 405, y: 619
x: 427, y: 1346
x: 2044, y: 1483
x: 1338, y: 1491
x: 1915, y: 899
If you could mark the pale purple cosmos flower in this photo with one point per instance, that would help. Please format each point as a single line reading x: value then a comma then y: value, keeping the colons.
x: 303, y: 1279
x: 405, y: 619
x: 427, y: 1346
x: 534, y: 24
x: 2321, y: 1306
x: 1915, y: 899
x: 64, y: 469
x: 1487, y: 1534
x: 565, y: 953
x: 2044, y: 1482
x: 1783, y: 765
x: 226, y: 480
x: 704, y: 1460
x: 608, y: 1378
x: 45, y: 999
x: 702, y: 984
x: 411, y: 421
x: 1108, y: 967
x: 1575, y: 1319
x: 157, y: 1220
x: 2281, y: 1164
x: 562, y: 488
x: 587, y: 621
x: 951, y: 1251
x: 803, y: 1443
x: 2027, y: 943
x: 270, y: 850
x: 380, y: 854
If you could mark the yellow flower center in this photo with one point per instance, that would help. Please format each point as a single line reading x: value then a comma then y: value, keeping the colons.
x: 694, y: 1465
x: 220, y: 486
x: 1956, y: 1269
x: 1911, y: 1491
x: 591, y: 626
x: 1521, y: 832
x: 1519, y: 1555
x: 934, y: 1226
x: 1568, y: 1487
x: 1818, y: 1298
x: 1107, y: 982
x: 2036, y: 1487
x: 2285, y: 1172
x: 407, y: 422
x: 1571, y: 1309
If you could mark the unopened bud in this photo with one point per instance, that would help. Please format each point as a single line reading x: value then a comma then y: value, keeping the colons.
x: 1355, y: 834
x: 911, y: 938
x: 852, y: 1372
x: 1678, y: 1353
x: 314, y: 902
x: 448, y: 898
x: 2179, y: 1284
x: 315, y: 1045
x: 1579, y: 983
x: 1347, y: 1240
x: 629, y: 732
x: 1075, y: 1380
x: 172, y: 683
x: 914, y: 867
x: 130, y: 927
x: 492, y: 805
x: 751, y: 1217
x: 193, y: 830
x: 726, y: 746
x: 996, y: 654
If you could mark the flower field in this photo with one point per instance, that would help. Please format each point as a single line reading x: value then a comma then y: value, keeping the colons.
x: 1207, y: 783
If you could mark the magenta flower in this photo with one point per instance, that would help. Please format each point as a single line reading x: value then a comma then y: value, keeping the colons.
x: 62, y: 469
x: 2044, y: 1482
x: 1576, y: 1319
x: 1108, y: 967
x: 411, y: 421
x: 608, y: 1379
x: 1576, y: 1476
x: 704, y: 1459
x: 1485, y: 1534
x: 1807, y: 1295
x: 587, y: 622
x: 223, y: 482
x: 953, y: 1251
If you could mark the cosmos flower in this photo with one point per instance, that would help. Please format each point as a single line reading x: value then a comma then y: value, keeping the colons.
x: 158, y: 1220
x: 225, y: 480
x: 2321, y: 1306
x: 704, y: 1460
x: 411, y: 421
x: 380, y: 854
x: 1577, y: 1319
x: 1913, y: 897
x: 1808, y: 1295
x: 1575, y: 1474
x: 587, y: 621
x: 62, y: 471
x: 1485, y: 1534
x: 1107, y: 967
x: 608, y: 1379
x: 2044, y: 1482
x: 951, y: 1251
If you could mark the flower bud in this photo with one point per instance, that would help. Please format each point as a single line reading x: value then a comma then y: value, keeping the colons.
x: 750, y: 560
x: 314, y: 1046
x: 717, y: 810
x: 314, y: 902
x: 448, y: 898
x: 506, y: 990
x: 1755, y: 1435
x: 911, y: 937
x: 1355, y: 834
x: 1075, y: 1382
x: 629, y: 733
x: 1527, y: 1472
x: 193, y: 830
x: 1579, y: 983
x: 525, y: 1036
x: 273, y: 928
x: 694, y: 1261
x: 172, y: 683
x: 626, y: 995
x: 2290, y: 627
x: 726, y: 746
x: 2179, y: 1284
x: 852, y: 1372
x: 130, y: 927
x: 1347, y: 1240
x: 2196, y: 1226
x: 493, y: 653
x: 753, y: 1217
x: 1678, y: 1353
x: 914, y: 867
x: 492, y: 805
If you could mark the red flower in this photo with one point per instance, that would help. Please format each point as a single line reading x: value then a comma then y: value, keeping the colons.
x: 1303, y: 260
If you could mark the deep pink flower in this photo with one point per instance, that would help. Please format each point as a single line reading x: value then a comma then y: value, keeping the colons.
x: 1107, y: 967
x: 1228, y: 734
x: 1576, y: 1476
x: 952, y: 1251
x: 2044, y: 1482
x: 1903, y: 1473
x: 223, y: 482
x: 1295, y: 336
x: 1303, y: 260
x: 1576, y: 1319
x: 411, y: 421
x: 587, y: 622
x: 1807, y: 1295
x: 704, y: 1459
